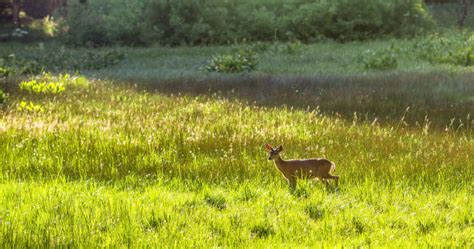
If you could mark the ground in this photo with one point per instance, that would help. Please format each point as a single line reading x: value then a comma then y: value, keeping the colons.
x: 159, y: 152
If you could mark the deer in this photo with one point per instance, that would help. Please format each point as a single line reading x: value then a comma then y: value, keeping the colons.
x: 291, y: 170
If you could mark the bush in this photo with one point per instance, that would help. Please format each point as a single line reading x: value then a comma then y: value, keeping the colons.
x: 215, y: 21
x: 178, y: 22
x: 12, y: 65
x: 29, y: 106
x: 48, y: 84
x: 45, y: 87
x: 381, y: 60
x: 243, y: 60
x: 72, y: 61
x: 6, y: 72
x: 455, y: 50
x: 61, y: 60
x: 106, y: 22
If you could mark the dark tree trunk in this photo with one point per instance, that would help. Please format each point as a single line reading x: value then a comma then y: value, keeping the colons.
x: 16, y: 12
x: 463, y: 13
x: 65, y: 12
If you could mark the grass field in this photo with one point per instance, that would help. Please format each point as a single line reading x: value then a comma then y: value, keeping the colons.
x: 158, y: 152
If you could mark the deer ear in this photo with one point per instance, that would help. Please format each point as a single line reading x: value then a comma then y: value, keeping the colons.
x: 268, y: 147
x: 280, y: 148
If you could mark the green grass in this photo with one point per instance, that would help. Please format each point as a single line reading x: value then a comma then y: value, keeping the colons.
x: 328, y: 58
x: 150, y: 169
x: 176, y: 158
x: 327, y: 76
x: 176, y: 215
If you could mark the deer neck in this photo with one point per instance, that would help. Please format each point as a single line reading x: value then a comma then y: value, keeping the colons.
x: 279, y: 162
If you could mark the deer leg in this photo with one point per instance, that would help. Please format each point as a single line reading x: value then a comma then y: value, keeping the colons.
x: 329, y: 176
x: 323, y: 181
x: 335, y: 178
x: 327, y: 183
x: 292, y: 182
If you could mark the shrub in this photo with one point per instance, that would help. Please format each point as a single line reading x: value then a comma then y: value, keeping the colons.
x: 5, y: 72
x: 44, y: 87
x: 17, y: 65
x: 380, y: 60
x: 72, y: 61
x: 455, y: 50
x: 215, y: 21
x: 30, y: 107
x: 243, y: 60
x: 178, y: 22
x: 104, y: 22
x: 48, y: 84
x: 43, y: 28
x: 57, y: 61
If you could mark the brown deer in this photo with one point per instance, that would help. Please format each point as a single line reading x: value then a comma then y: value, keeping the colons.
x: 320, y: 168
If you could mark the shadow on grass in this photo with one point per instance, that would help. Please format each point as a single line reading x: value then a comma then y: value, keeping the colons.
x: 437, y: 100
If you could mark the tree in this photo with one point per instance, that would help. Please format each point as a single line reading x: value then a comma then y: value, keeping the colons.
x: 16, y: 5
x: 41, y: 8
x: 463, y: 13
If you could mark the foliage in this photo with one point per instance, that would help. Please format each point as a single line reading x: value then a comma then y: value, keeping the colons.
x: 29, y: 106
x: 43, y: 87
x: 105, y: 22
x: 47, y: 27
x: 66, y: 60
x: 29, y: 63
x: 212, y: 21
x: 243, y: 60
x: 14, y: 65
x: 455, y: 50
x: 5, y: 72
x: 381, y: 59
x: 49, y: 84
x: 441, y: 1
x: 179, y: 22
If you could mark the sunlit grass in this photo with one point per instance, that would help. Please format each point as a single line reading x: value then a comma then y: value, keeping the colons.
x: 116, y: 165
x: 168, y: 214
x: 176, y: 158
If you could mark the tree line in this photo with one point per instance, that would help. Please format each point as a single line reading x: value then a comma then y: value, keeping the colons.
x: 42, y: 8
x: 10, y: 9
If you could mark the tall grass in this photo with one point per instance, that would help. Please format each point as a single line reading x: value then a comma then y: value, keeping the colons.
x: 119, y: 166
x: 176, y: 158
x: 209, y: 138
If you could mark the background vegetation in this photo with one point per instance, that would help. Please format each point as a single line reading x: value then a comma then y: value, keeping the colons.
x: 223, y: 22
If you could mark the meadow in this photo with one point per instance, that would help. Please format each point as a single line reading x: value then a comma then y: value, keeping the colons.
x: 155, y: 151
